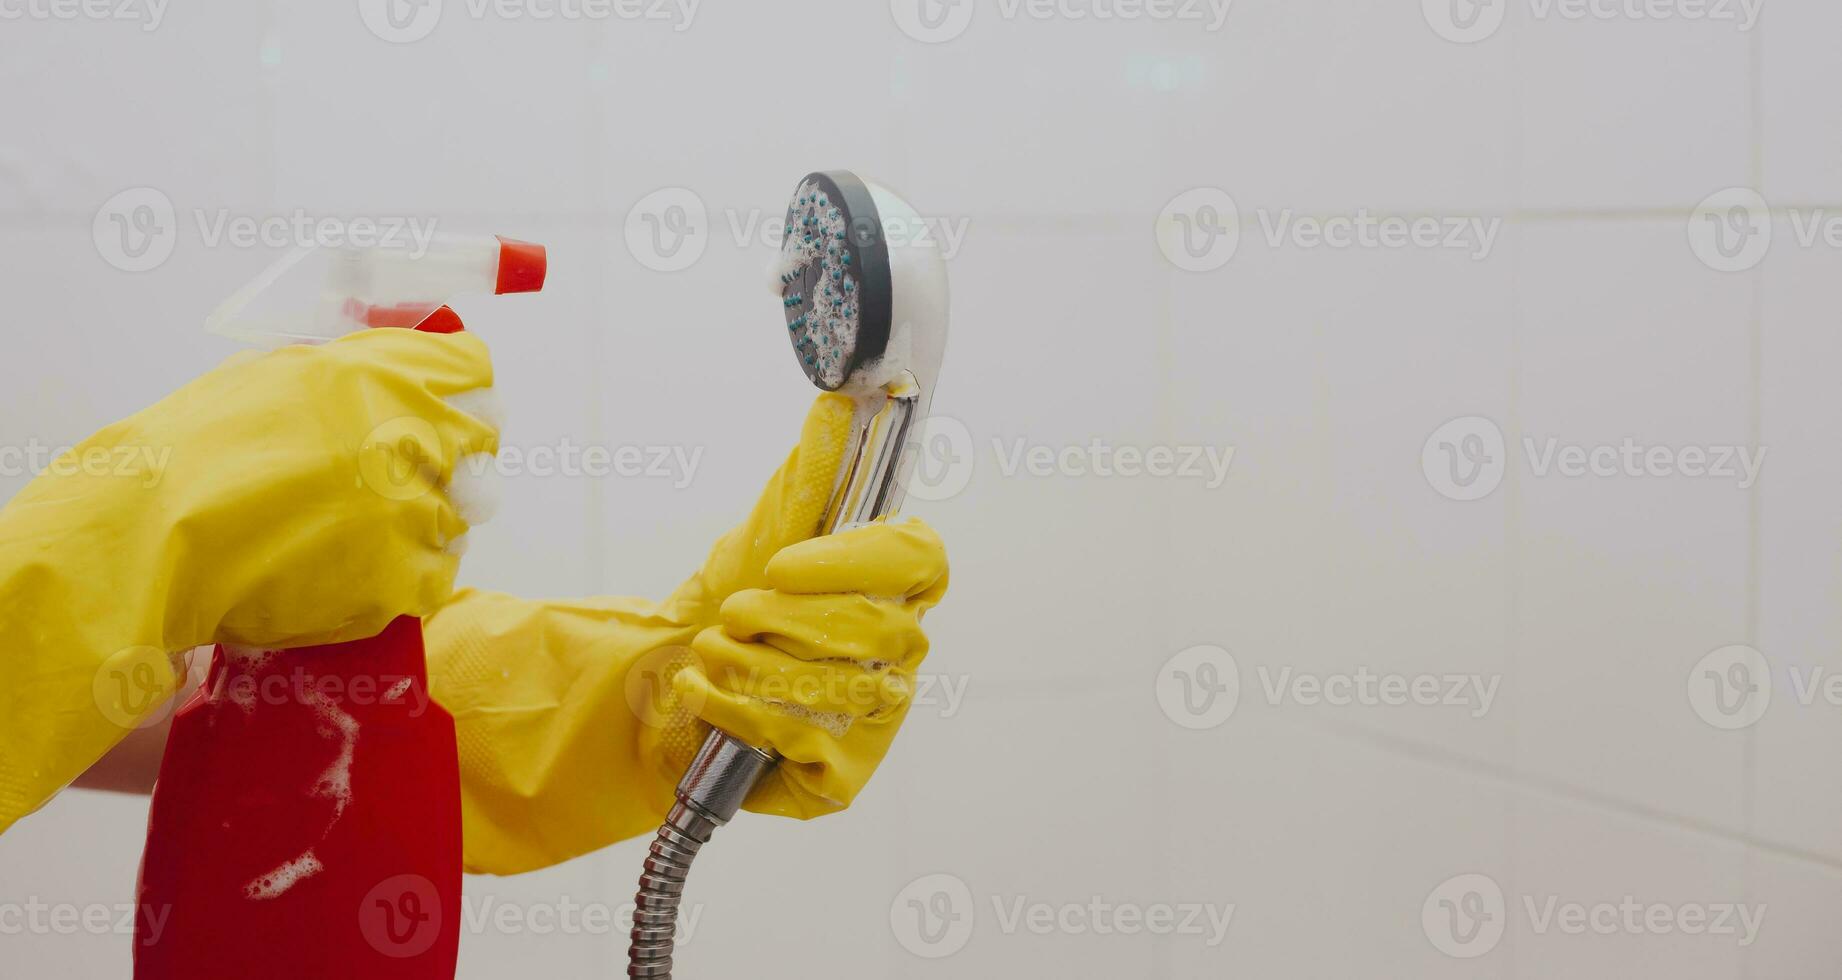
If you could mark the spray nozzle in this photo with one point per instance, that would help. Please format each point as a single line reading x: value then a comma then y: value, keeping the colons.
x: 312, y: 295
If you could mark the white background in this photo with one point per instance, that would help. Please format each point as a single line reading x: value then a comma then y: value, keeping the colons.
x: 1056, y: 142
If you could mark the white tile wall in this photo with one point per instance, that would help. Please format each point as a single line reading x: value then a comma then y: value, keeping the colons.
x: 1329, y: 846
x: 1800, y: 620
x: 1802, y: 129
x: 1624, y: 583
x: 1568, y: 855
x: 1349, y: 104
x: 1800, y: 898
x: 1628, y: 113
x: 1053, y: 143
x: 485, y: 116
x: 94, y: 108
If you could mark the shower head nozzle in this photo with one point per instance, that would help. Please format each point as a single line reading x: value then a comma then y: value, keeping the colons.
x: 862, y: 283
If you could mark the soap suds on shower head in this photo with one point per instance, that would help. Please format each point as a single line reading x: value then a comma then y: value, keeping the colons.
x: 880, y: 373
x: 816, y: 240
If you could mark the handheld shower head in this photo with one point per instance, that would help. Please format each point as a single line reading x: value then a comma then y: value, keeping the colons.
x: 865, y: 293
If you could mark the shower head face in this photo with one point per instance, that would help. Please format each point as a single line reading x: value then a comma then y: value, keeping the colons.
x: 834, y: 278
x: 863, y: 286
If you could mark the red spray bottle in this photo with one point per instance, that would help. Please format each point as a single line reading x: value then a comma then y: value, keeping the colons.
x: 306, y: 822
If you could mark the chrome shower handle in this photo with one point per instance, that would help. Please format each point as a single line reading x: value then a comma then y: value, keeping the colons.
x: 878, y: 458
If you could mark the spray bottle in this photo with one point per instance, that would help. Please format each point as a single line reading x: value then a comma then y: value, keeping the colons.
x: 306, y: 822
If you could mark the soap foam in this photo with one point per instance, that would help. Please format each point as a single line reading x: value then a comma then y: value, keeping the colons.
x: 249, y: 658
x: 477, y: 489
x: 278, y: 882
x: 481, y: 403
x: 336, y: 782
x: 837, y: 724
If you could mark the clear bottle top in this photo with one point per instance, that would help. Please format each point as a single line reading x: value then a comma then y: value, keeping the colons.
x: 315, y: 294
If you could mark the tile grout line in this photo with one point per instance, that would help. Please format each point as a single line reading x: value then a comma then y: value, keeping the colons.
x: 1755, y: 505
x: 1166, y: 423
x: 1558, y: 789
x: 15, y: 220
x: 1514, y: 553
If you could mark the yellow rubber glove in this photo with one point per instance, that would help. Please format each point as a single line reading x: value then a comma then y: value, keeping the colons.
x: 820, y: 666
x: 577, y: 718
x: 286, y: 499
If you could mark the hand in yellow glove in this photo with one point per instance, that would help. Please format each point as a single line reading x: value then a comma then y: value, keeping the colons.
x: 287, y: 499
x: 577, y: 718
x: 820, y: 665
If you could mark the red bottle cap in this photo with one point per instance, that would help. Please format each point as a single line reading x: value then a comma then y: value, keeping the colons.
x: 522, y: 266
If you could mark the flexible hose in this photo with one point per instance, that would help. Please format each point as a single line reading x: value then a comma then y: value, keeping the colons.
x: 655, y: 912
x: 711, y: 791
